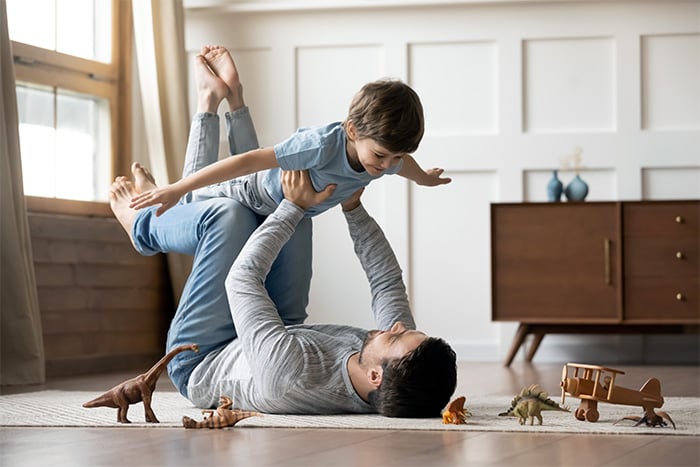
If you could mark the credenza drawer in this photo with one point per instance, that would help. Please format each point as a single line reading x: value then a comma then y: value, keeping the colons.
x: 672, y: 218
x: 662, y: 300
x: 673, y: 256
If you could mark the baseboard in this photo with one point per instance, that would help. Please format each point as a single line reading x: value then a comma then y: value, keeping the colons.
x: 611, y: 349
x: 100, y: 364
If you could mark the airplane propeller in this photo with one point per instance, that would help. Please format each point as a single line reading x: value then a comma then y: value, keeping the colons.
x: 564, y: 374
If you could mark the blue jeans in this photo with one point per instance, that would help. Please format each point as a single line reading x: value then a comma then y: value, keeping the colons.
x: 214, y: 230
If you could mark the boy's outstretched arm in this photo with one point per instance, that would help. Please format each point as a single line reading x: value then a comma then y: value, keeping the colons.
x: 226, y: 169
x: 431, y: 177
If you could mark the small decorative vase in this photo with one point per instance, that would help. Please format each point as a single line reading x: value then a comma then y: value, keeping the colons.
x: 576, y: 190
x: 554, y: 188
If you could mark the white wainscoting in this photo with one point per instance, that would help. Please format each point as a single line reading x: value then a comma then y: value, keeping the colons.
x: 511, y: 91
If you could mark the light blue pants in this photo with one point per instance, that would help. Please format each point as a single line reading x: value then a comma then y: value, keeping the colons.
x: 214, y: 230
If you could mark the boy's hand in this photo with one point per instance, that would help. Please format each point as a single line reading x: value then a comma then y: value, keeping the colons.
x: 433, y: 177
x: 298, y: 189
x: 352, y: 201
x: 166, y: 196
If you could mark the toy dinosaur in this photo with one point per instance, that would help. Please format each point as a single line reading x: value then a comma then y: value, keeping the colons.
x: 650, y: 418
x: 137, y: 389
x: 530, y: 403
x: 224, y: 416
x: 455, y: 413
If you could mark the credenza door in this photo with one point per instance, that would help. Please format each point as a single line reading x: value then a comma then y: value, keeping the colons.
x: 556, y: 262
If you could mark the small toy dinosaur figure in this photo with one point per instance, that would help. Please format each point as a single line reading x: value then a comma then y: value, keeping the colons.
x: 455, y: 413
x: 530, y: 403
x: 137, y: 389
x: 224, y: 416
x: 650, y: 418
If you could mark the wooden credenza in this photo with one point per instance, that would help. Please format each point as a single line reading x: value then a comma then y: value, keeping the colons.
x: 595, y: 267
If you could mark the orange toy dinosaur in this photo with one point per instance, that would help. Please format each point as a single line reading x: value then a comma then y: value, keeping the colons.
x: 455, y: 413
x: 137, y: 389
x: 224, y: 416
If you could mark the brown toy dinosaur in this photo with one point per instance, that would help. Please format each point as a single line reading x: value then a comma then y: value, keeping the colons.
x: 137, y: 389
x: 224, y: 416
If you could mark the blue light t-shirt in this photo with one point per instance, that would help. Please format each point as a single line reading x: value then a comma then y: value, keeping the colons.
x: 321, y: 150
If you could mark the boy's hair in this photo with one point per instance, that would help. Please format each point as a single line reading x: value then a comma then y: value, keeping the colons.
x: 389, y: 112
x: 418, y: 385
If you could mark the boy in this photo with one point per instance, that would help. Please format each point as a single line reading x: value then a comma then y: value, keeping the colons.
x: 384, y: 124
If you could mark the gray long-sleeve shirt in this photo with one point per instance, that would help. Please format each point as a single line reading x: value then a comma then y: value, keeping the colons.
x: 300, y: 369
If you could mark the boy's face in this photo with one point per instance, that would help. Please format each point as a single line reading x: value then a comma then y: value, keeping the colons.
x: 374, y: 158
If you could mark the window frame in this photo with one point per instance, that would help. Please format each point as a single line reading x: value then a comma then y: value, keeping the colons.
x: 111, y: 81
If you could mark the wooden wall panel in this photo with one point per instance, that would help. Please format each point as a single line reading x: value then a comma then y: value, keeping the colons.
x: 103, y: 306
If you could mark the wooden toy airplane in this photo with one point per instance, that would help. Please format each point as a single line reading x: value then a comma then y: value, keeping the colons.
x: 593, y: 384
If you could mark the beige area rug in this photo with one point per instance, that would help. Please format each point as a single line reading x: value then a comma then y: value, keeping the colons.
x: 64, y: 409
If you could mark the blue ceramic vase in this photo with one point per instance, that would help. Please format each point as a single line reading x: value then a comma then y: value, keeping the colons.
x: 554, y: 188
x: 576, y: 190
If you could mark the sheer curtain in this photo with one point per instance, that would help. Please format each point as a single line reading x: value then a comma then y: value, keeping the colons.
x: 21, y: 341
x: 159, y: 39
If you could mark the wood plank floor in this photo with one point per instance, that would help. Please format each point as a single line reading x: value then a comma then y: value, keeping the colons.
x: 307, y: 447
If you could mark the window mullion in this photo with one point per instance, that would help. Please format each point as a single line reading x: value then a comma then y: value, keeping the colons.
x: 29, y: 55
x: 62, y: 78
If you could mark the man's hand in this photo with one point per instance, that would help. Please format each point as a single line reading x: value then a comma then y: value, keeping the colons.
x: 352, y: 201
x: 298, y: 189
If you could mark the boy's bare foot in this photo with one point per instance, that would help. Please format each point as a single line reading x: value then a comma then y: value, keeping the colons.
x: 120, y: 194
x: 211, y: 89
x: 222, y: 64
x: 143, y: 179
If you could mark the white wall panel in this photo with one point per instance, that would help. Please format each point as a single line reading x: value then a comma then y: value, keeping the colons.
x: 328, y: 78
x: 458, y: 85
x: 450, y: 255
x: 569, y: 85
x: 671, y: 183
x: 602, y: 184
x: 670, y: 77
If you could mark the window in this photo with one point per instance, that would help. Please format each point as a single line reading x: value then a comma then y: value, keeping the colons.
x: 72, y: 62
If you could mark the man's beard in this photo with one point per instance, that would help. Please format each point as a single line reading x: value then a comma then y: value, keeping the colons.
x: 368, y: 338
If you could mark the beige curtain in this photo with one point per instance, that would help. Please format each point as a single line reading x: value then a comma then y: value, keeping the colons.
x: 159, y: 39
x: 21, y: 342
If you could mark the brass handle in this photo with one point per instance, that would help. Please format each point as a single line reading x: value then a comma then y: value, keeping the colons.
x: 679, y: 219
x: 608, y: 265
x: 680, y: 255
x: 680, y: 297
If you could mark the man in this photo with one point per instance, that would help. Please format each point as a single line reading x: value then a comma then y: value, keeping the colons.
x: 265, y: 364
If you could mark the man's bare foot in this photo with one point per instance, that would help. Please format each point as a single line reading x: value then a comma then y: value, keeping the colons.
x: 143, y: 179
x: 222, y: 64
x: 211, y: 89
x: 120, y: 194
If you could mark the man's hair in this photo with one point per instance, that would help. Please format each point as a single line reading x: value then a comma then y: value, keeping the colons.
x: 390, y: 113
x: 418, y: 385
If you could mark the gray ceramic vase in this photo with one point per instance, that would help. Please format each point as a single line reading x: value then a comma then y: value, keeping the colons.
x: 576, y: 190
x: 554, y: 188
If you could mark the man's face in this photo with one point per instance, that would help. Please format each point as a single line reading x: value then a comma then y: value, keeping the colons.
x: 389, y: 345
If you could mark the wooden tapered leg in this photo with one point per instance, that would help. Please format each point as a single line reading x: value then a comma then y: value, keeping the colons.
x: 534, y: 346
x: 518, y: 340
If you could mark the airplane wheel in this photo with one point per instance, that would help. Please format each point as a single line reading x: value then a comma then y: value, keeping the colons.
x: 580, y: 414
x: 592, y: 415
